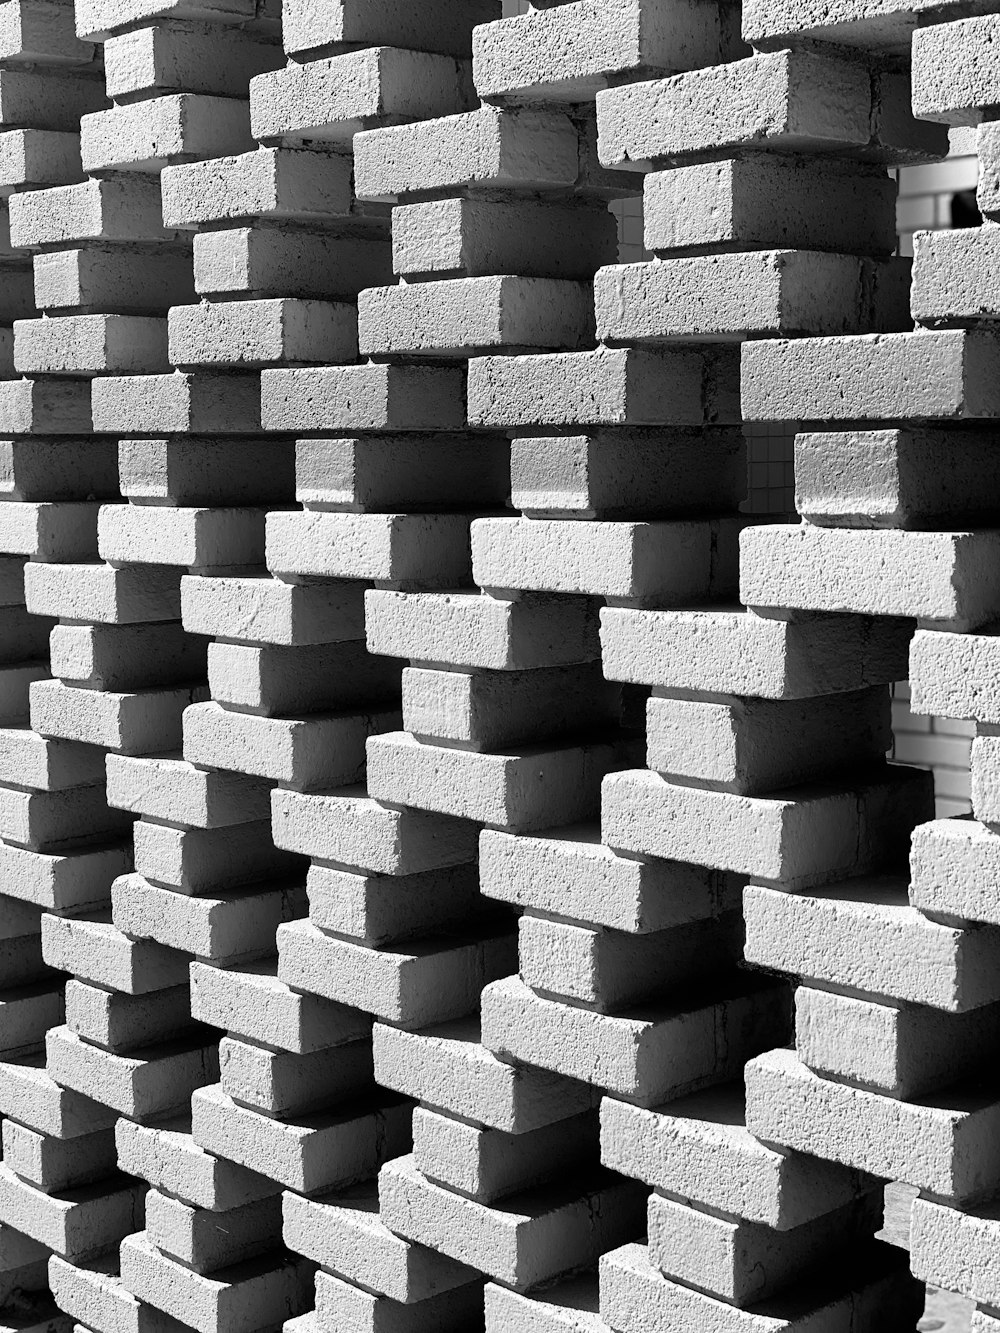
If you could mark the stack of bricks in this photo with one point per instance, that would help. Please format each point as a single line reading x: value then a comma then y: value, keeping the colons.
x: 367, y: 527
x: 896, y: 480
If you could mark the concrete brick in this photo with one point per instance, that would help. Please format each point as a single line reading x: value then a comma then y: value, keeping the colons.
x: 447, y: 1067
x: 649, y: 564
x: 536, y: 1236
x: 760, y: 200
x: 407, y: 550
x: 42, y: 31
x: 122, y: 657
x: 621, y: 474
x: 751, y: 746
x: 286, y: 1085
x: 230, y: 925
x: 196, y: 861
x: 942, y: 1144
x: 54, y: 532
x: 363, y: 398
x: 951, y: 867
x: 198, y: 538
x: 810, y: 836
x: 954, y: 70
x: 609, y: 387
x: 94, y: 1292
x: 413, y: 984
x: 25, y: 1017
x: 252, y: 1003
x: 903, y: 1050
x: 282, y: 261
x: 97, y: 951
x: 35, y: 159
x: 47, y: 99
x: 284, y: 183
x: 101, y: 593
x: 176, y: 791
x: 149, y: 135
x: 381, y: 909
x: 876, y: 24
x: 988, y: 188
x: 326, y: 1151
x: 54, y: 470
x: 487, y: 1164
x: 168, y: 1158
x: 609, y: 972
x: 943, y: 578
x: 60, y: 882
x: 253, y: 609
x: 985, y: 790
x: 272, y: 680
x: 345, y: 1235
x: 29, y: 1096
x: 122, y: 1022
x: 90, y: 345
x: 130, y: 282
x: 570, y: 873
x: 445, y: 25
x: 332, y: 99
x: 182, y: 58
x: 635, y: 1296
x: 142, y: 1087
x: 100, y: 19
x: 488, y: 148
x: 350, y: 829
x: 542, y: 787
x: 306, y: 754
x: 52, y: 1164
x: 647, y: 1055
x: 952, y: 1248
x: 189, y: 472
x: 472, y: 237
x: 247, y: 335
x: 797, y: 101
x: 256, y: 1297
x: 118, y: 208
x: 768, y: 293
x: 349, y: 1309
x: 139, y: 722
x: 48, y: 821
x: 205, y: 1241
x: 557, y: 54
x: 185, y: 404
x: 77, y: 1224
x: 952, y: 675
x: 947, y: 375
x: 472, y: 630
x: 864, y: 936
x: 893, y: 478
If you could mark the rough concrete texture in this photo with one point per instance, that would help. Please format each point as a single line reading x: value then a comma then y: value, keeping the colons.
x: 422, y: 786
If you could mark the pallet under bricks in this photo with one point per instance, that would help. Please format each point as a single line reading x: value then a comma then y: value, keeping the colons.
x: 363, y: 517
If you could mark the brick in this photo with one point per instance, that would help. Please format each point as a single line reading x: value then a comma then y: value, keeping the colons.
x: 381, y: 909
x: 536, y: 1236
x: 796, y: 101
x: 132, y: 722
x: 402, y: 549
x: 286, y: 1085
x: 332, y: 99
x: 147, y: 136
x: 572, y: 874
x: 946, y: 376
x: 345, y: 1307
x: 55, y: 1165
x: 91, y: 345
x: 96, y: 1293
x: 951, y: 867
x: 952, y: 675
x: 569, y: 1306
x: 427, y: 981
x: 257, y: 1297
x: 170, y: 58
x: 444, y: 25
x: 609, y: 387
x: 48, y: 821
x: 985, y: 791
x: 114, y: 209
x: 230, y: 925
x: 488, y: 1164
x: 47, y: 100
x: 350, y: 829
x: 254, y: 609
x: 122, y: 657
x: 875, y: 24
x: 122, y: 1022
x: 248, y: 335
x: 647, y: 1055
x: 942, y: 1144
x: 101, y: 593
x: 326, y: 1151
x: 54, y: 532
x: 541, y: 787
x: 306, y: 754
x: 205, y: 1241
x: 761, y: 200
x: 944, y: 578
x: 53, y: 470
x: 344, y: 1233
x: 648, y: 564
x: 77, y: 1224
x: 751, y: 746
x: 98, y: 952
x: 77, y: 879
x: 251, y: 1002
x: 173, y: 790
x: 474, y: 630
x: 100, y: 19
x: 893, y: 478
x: 472, y: 237
x: 363, y: 398
x: 267, y: 183
x: 131, y: 282
x: 807, y: 837
x: 25, y: 1017
x: 634, y: 1295
x: 864, y: 936
x: 952, y: 1248
x: 488, y: 148
x: 281, y: 261
x: 447, y: 1067
x: 197, y: 538
x: 29, y: 1096
x: 988, y: 188
x: 903, y: 1050
x: 954, y: 70
x: 42, y: 32
x: 168, y: 1158
x: 568, y: 55
x: 272, y: 680
x: 203, y: 404
x: 197, y: 861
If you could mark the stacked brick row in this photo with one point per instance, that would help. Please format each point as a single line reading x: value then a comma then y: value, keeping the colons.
x: 897, y: 1007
